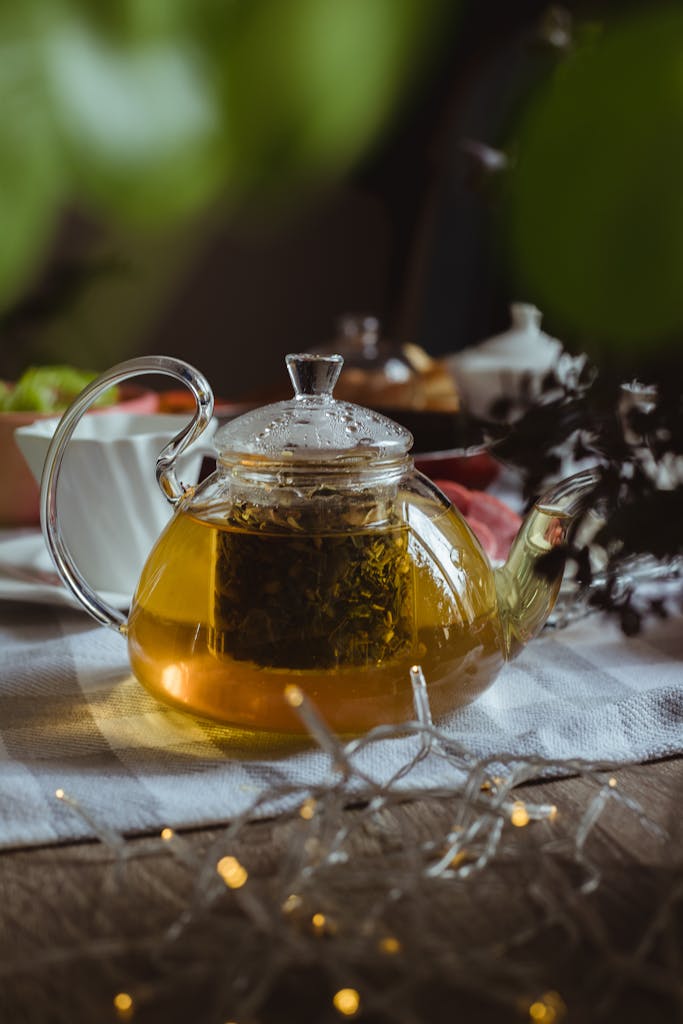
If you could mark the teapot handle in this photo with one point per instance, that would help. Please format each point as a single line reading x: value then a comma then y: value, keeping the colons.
x: 165, y: 468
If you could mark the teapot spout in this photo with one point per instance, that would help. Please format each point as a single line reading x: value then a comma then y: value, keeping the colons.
x: 527, y: 596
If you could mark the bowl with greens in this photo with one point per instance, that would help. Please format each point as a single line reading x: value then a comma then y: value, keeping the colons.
x: 40, y: 392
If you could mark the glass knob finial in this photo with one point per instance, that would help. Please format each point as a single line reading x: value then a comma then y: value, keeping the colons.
x: 314, y: 374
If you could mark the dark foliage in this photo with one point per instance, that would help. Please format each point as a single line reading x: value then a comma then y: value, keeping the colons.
x: 627, y: 559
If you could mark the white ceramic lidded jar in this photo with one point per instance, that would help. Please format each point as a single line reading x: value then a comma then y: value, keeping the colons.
x: 506, y: 365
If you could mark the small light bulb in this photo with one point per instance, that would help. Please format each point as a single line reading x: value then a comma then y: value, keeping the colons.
x: 307, y: 809
x: 293, y: 902
x: 232, y: 872
x: 318, y: 921
x: 59, y: 793
x: 548, y: 1009
x: 612, y: 783
x: 390, y: 945
x: 519, y: 816
x: 123, y: 1003
x: 167, y: 834
x: 346, y: 1001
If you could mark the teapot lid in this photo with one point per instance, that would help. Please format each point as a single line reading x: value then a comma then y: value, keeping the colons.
x: 313, y: 426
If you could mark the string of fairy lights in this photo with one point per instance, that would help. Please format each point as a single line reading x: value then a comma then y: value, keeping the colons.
x: 370, y: 902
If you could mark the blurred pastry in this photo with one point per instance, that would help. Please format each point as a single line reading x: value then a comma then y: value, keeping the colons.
x: 386, y: 375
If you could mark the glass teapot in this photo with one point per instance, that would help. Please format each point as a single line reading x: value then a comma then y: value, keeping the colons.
x: 314, y: 554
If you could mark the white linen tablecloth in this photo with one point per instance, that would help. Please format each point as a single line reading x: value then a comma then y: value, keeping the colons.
x: 73, y: 717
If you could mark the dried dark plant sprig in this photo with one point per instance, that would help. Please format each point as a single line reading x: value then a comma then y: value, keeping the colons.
x: 312, y: 586
x: 633, y: 434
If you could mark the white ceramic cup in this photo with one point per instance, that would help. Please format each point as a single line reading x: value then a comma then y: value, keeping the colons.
x: 111, y: 509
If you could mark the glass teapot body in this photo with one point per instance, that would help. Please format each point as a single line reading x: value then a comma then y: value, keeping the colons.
x: 335, y: 582
x: 314, y: 555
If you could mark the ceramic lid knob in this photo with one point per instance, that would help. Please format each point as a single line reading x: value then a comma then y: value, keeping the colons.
x: 524, y: 316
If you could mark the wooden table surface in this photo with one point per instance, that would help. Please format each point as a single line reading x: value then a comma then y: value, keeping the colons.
x: 83, y: 923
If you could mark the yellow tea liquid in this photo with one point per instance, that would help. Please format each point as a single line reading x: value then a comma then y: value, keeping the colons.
x: 194, y: 643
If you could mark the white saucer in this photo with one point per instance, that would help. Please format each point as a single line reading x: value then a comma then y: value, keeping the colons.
x: 23, y: 551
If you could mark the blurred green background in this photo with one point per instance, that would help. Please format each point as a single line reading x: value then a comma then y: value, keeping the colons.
x: 220, y: 180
